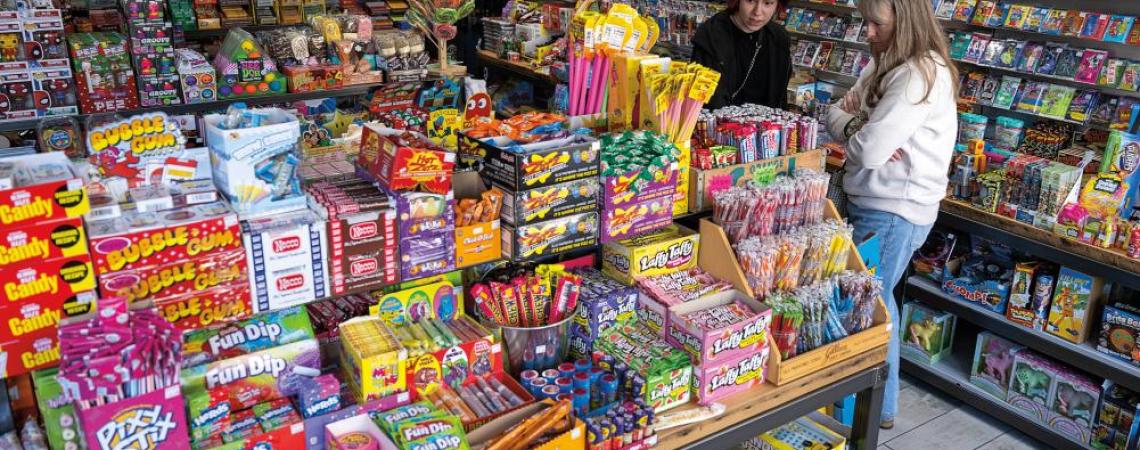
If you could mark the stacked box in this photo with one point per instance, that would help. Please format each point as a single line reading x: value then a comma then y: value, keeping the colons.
x: 152, y: 51
x: 1031, y: 385
x: 1115, y: 417
x: 666, y: 371
x: 374, y: 363
x: 188, y: 261
x: 668, y: 250
x: 287, y: 259
x: 638, y: 201
x: 45, y: 268
x: 1072, y: 404
x: 256, y: 167
x: 34, y: 65
x: 602, y: 303
x: 993, y: 364
x: 104, y: 78
x: 927, y: 334
x: 1119, y: 332
x: 362, y: 234
x: 427, y: 233
x: 199, y: 82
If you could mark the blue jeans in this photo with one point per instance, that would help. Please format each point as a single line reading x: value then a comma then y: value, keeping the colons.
x: 898, y: 240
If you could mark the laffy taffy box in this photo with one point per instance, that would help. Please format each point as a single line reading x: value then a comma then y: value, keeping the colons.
x: 711, y: 341
x: 30, y: 244
x: 659, y: 252
x: 156, y: 420
x: 40, y: 187
x: 177, y: 278
x: 718, y: 380
x: 136, y: 240
x: 405, y: 160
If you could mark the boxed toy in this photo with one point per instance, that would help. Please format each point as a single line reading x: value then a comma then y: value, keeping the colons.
x: 1115, y: 416
x: 713, y: 381
x: 16, y: 86
x: 1072, y: 404
x: 637, y: 218
x: 199, y: 82
x: 244, y: 69
x: 154, y: 420
x: 993, y: 363
x: 103, y: 74
x: 53, y: 88
x: 405, y: 160
x: 550, y: 202
x: 719, y: 327
x: 256, y: 166
x: 234, y: 339
x: 670, y: 249
x: 551, y: 237
x: 927, y: 334
x: 287, y: 256
x: 1074, y: 304
x: 1032, y: 291
x: 1120, y: 332
x: 1031, y: 385
x: 38, y: 188
x: 983, y: 278
x: 136, y: 240
x: 523, y: 167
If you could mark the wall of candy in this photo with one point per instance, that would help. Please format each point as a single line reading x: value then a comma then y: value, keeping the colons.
x: 288, y: 225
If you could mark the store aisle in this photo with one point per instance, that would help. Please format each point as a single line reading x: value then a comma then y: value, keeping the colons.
x: 931, y: 420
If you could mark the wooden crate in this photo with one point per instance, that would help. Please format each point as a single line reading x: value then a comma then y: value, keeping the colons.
x: 718, y: 258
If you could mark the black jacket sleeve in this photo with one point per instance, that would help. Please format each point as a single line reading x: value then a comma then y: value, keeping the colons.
x: 705, y: 54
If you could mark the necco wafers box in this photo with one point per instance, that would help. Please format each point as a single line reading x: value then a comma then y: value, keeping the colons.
x: 287, y: 254
x: 135, y: 240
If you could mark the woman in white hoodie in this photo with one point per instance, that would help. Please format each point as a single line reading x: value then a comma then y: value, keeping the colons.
x: 900, y: 123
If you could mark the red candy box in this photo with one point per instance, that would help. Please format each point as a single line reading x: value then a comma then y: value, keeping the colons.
x: 137, y: 240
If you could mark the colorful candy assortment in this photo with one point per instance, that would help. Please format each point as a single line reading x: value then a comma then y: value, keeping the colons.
x: 776, y: 207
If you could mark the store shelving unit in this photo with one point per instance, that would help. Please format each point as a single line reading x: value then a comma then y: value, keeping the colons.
x: 838, y: 42
x: 196, y: 35
x: 1050, y: 78
x: 953, y: 376
x: 489, y: 58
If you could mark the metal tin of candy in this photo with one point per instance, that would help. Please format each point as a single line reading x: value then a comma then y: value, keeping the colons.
x: 549, y: 391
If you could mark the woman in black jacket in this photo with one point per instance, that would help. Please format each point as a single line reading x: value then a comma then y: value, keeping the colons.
x: 751, y: 52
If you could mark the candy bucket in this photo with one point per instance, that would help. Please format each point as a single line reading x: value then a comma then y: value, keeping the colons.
x: 537, y: 348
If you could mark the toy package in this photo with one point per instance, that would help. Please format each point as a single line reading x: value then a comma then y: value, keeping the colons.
x: 1030, y: 295
x: 928, y: 335
x: 1031, y: 385
x: 993, y: 364
x: 983, y: 278
x: 255, y: 159
x: 1120, y: 332
x: 244, y: 69
x: 199, y: 82
x: 1074, y: 300
x: 103, y: 74
x: 1115, y: 417
x: 1072, y: 404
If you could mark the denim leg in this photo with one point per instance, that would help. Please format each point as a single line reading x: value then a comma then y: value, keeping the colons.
x: 898, y: 239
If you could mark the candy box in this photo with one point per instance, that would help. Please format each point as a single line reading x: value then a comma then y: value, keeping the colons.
x: 199, y: 82
x: 275, y: 414
x: 478, y: 243
x: 27, y: 318
x: 348, y: 434
x: 1072, y: 405
x: 104, y: 76
x: 287, y: 259
x: 928, y: 334
x: 61, y: 424
x: 421, y: 213
x: 136, y: 240
x: 634, y: 219
x: 457, y: 365
x: 1120, y: 331
x: 993, y: 364
x: 290, y: 437
x: 1031, y: 385
x: 427, y: 254
x: 50, y: 282
x: 551, y: 237
x: 668, y: 372
x: 321, y: 395
x: 32, y: 243
x: 670, y: 249
x: 374, y: 363
x: 1115, y: 416
x: 404, y: 160
x: 600, y: 306
x: 439, y: 300
x: 258, y: 333
x: 1074, y: 302
x: 521, y: 167
x: 161, y: 281
x: 550, y: 202
x: 243, y: 424
x: 639, y: 185
x: 256, y: 167
x: 46, y: 187
x: 1031, y: 294
x: 29, y: 352
x: 362, y: 250
x: 197, y: 309
x: 253, y: 378
x: 155, y: 420
x: 313, y: 78
x: 721, y: 379
x: 711, y: 346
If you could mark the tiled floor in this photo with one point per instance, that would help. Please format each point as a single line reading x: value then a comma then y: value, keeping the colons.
x: 930, y: 420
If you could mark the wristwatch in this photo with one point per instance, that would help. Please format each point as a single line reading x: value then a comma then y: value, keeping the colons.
x: 854, y: 125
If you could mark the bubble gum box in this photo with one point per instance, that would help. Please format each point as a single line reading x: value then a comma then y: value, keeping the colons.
x: 33, y: 243
x: 178, y: 278
x: 719, y: 343
x: 670, y: 249
x: 234, y: 339
x: 50, y: 282
x: 136, y: 240
x: 718, y: 380
x: 226, y: 302
x: 254, y: 378
x: 287, y: 256
x: 155, y: 420
x: 549, y: 202
x: 42, y: 187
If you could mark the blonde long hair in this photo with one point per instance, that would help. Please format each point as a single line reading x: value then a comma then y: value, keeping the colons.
x: 917, y: 34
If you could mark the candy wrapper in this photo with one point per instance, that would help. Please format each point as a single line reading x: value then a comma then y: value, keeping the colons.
x: 235, y: 339
x: 777, y: 207
x: 681, y: 287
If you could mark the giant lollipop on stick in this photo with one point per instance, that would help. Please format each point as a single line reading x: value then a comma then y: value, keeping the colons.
x: 436, y: 19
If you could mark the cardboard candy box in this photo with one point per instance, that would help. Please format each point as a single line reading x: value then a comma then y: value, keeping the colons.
x: 33, y: 351
x: 722, y: 379
x: 551, y: 237
x: 103, y: 74
x: 671, y: 249
x: 38, y: 188
x: 550, y: 202
x: 438, y: 300
x: 256, y: 167
x: 637, y: 218
x: 155, y: 420
x: 29, y: 244
x: 136, y: 240
x: 405, y: 160
x: 175, y: 279
x: 27, y: 318
x: 710, y: 347
x: 287, y: 256
x: 49, y: 282
x: 234, y: 339
x: 534, y: 165
x: 197, y: 309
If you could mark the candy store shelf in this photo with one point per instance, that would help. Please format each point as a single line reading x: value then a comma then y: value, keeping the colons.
x: 1042, y: 37
x: 837, y: 9
x: 1110, y: 263
x: 1052, y: 78
x: 221, y: 32
x: 196, y: 108
x: 1084, y: 356
x: 841, y: 42
x: 951, y: 376
x: 766, y: 407
x: 491, y: 59
x: 1034, y: 116
x: 849, y: 80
